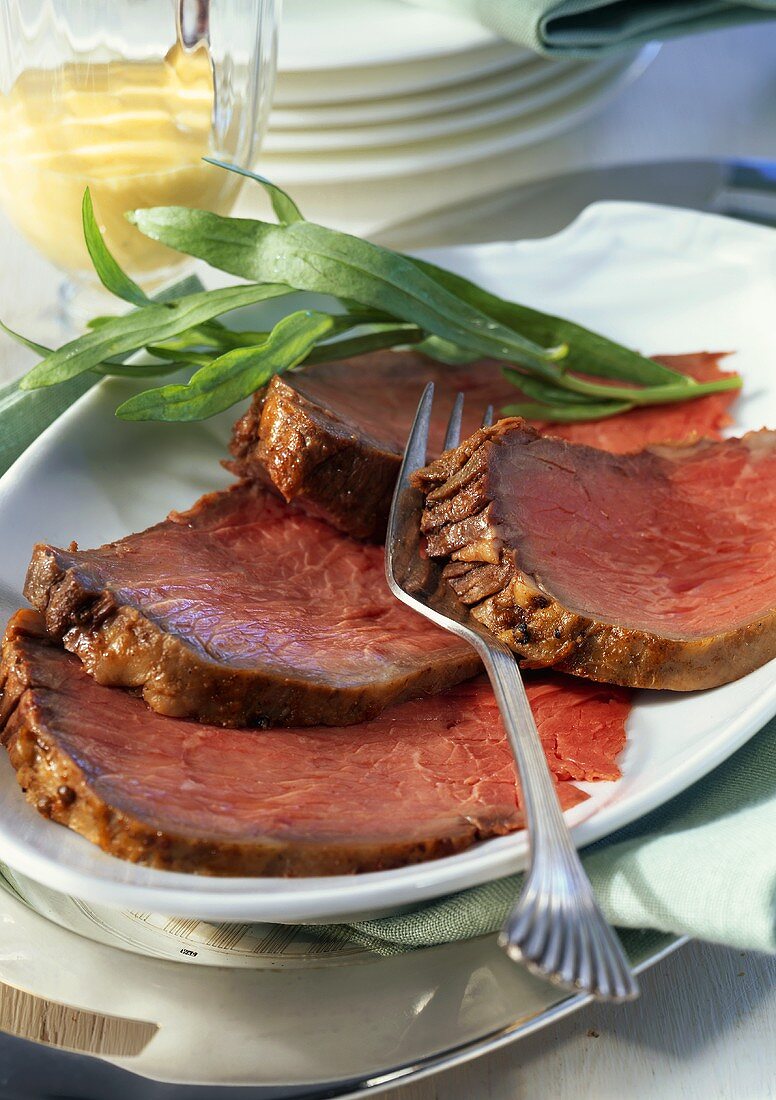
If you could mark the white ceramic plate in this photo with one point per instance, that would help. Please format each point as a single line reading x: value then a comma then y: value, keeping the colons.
x: 573, y: 81
x: 446, y: 152
x: 295, y: 89
x: 366, y: 112
x: 345, y: 34
x: 653, y: 277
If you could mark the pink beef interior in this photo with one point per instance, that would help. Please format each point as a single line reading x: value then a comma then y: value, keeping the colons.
x: 248, y: 581
x: 381, y: 404
x: 677, y: 541
x: 380, y: 401
x: 427, y: 768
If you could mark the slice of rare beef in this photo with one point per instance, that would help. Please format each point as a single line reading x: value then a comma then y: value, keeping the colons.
x: 427, y: 778
x: 331, y: 436
x: 656, y: 569
x: 683, y: 422
x: 244, y: 611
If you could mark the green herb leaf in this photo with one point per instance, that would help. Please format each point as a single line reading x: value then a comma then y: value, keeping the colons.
x: 687, y: 390
x: 109, y: 367
x: 578, y: 391
x: 187, y: 356
x: 285, y: 209
x: 445, y: 352
x: 39, y: 349
x: 589, y: 352
x: 312, y: 258
x: 394, y: 299
x: 189, y: 284
x: 383, y: 336
x: 378, y: 338
x: 112, y: 277
x: 544, y: 392
x: 149, y: 324
x: 210, y: 335
x: 140, y: 370
x: 567, y: 414
x: 235, y: 375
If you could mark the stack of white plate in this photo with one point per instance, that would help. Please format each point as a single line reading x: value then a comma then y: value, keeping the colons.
x: 381, y: 89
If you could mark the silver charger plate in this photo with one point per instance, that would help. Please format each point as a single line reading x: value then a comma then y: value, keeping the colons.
x: 307, y: 1032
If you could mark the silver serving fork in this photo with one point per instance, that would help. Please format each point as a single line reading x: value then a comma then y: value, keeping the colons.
x: 556, y: 927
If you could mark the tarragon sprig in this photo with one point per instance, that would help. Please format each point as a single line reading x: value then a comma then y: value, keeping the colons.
x: 383, y: 299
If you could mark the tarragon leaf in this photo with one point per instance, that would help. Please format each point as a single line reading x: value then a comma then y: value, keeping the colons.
x: 312, y: 258
x: 111, y: 274
x: 235, y: 375
x: 566, y: 414
x: 383, y: 336
x: 445, y: 352
x: 545, y: 392
x: 286, y: 210
x: 108, y: 367
x: 153, y: 323
x: 589, y: 352
x: 39, y: 349
x: 186, y: 356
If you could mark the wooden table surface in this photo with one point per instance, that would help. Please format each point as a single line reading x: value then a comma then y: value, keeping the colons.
x: 705, y: 1026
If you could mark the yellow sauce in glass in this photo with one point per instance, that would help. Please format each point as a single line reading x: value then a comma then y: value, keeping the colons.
x: 134, y: 132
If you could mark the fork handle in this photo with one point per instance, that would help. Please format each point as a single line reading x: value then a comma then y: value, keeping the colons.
x: 556, y: 927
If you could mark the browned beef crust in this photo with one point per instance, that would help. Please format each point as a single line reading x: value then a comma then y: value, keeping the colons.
x: 311, y: 455
x: 510, y: 512
x: 330, y: 436
x: 244, y: 611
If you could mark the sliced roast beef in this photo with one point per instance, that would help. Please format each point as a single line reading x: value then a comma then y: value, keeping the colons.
x: 427, y: 778
x: 244, y: 611
x: 703, y: 418
x: 656, y: 569
x: 331, y: 436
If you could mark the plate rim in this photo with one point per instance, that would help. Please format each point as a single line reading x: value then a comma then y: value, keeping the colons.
x: 225, y: 898
x: 520, y: 1025
x: 457, y: 123
x: 443, y: 99
x: 414, y: 78
x: 467, y: 35
x: 323, y: 169
x: 489, y: 1044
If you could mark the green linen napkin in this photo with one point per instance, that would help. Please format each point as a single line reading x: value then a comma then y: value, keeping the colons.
x: 587, y: 28
x: 703, y: 865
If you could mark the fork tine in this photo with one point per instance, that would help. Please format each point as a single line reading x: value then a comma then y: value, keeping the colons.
x: 417, y: 441
x: 487, y: 420
x: 453, y: 433
x: 414, y: 459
